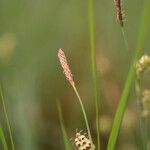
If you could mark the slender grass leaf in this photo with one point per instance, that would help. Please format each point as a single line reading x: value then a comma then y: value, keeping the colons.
x: 94, y: 68
x: 65, y: 136
x: 7, y: 119
x: 2, y: 137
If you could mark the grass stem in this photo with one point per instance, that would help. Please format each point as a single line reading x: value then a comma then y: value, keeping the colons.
x: 65, y: 136
x: 125, y: 39
x: 94, y: 67
x: 84, y: 114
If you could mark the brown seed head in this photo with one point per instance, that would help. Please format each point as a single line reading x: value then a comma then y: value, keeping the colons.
x: 65, y: 66
x: 119, y: 11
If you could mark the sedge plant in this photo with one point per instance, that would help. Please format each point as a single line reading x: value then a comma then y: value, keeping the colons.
x: 69, y: 77
x: 145, y: 21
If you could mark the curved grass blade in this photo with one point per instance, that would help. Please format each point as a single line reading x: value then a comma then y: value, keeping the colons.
x: 2, y: 137
x: 65, y: 137
x: 7, y: 119
x: 145, y: 21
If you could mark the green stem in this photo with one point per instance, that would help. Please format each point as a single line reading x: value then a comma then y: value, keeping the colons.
x: 3, y: 139
x: 64, y: 133
x: 94, y: 68
x: 125, y: 39
x: 7, y: 120
x: 84, y: 114
x: 131, y: 77
x: 120, y: 110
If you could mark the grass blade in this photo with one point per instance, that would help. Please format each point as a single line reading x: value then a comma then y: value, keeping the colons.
x: 2, y: 137
x: 65, y: 137
x: 7, y: 119
x: 94, y: 67
x: 145, y: 20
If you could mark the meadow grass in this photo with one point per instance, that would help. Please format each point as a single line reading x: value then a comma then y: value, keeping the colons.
x: 128, y: 84
x: 145, y: 20
x: 7, y: 119
x: 3, y: 139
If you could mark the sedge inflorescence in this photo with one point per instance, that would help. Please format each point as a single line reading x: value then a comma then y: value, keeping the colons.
x: 65, y: 66
x: 146, y: 103
x: 82, y: 142
x: 119, y: 11
x: 142, y: 65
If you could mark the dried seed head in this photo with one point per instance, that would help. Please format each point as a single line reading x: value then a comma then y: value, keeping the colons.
x: 142, y: 65
x: 65, y: 66
x: 146, y: 103
x: 119, y: 11
x: 82, y: 142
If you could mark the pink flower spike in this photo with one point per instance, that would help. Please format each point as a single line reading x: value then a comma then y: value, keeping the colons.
x: 65, y: 66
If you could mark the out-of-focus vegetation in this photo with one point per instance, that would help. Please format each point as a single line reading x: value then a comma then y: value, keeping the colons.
x: 30, y: 34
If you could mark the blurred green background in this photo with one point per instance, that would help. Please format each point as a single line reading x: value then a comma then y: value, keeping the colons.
x: 31, y: 31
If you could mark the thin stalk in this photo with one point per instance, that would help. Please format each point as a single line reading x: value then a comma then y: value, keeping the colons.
x: 3, y: 139
x: 142, y: 120
x: 131, y: 77
x: 94, y: 67
x: 84, y: 114
x: 69, y: 77
x: 125, y: 39
x: 65, y: 136
x: 7, y: 119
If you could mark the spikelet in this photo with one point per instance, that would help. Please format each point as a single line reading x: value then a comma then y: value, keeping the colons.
x: 142, y: 65
x: 82, y: 142
x: 146, y: 103
x: 65, y: 66
x: 119, y: 11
